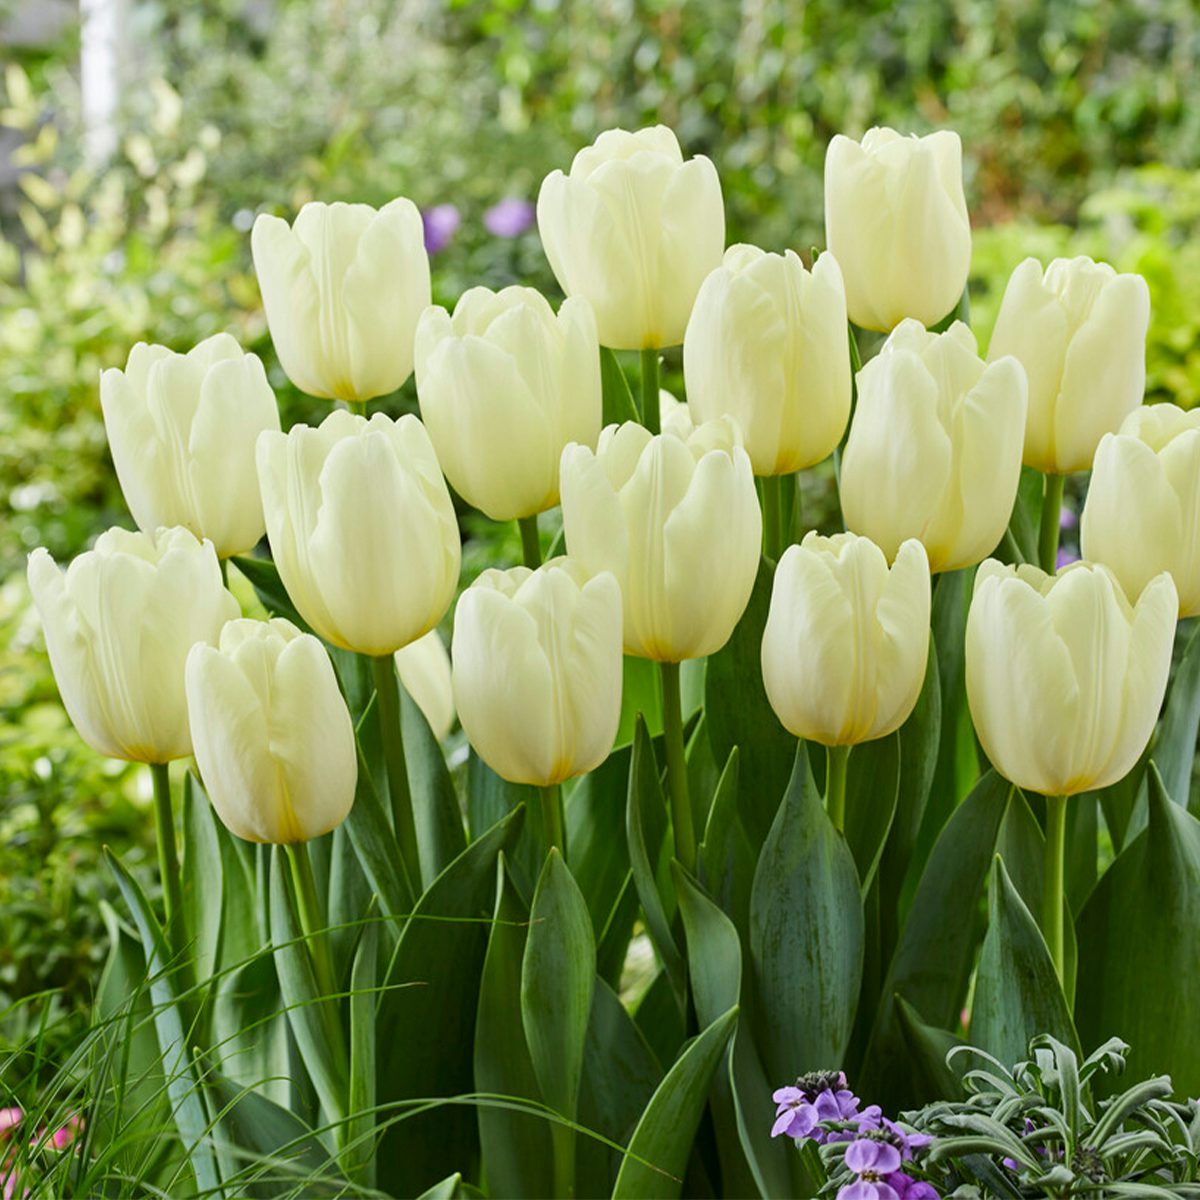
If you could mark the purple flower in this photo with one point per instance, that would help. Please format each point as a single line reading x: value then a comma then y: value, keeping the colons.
x: 1067, y: 519
x: 1064, y: 557
x: 441, y: 221
x: 872, y: 1161
x: 863, y: 1189
x: 795, y: 1117
x: 510, y: 218
x: 908, y: 1188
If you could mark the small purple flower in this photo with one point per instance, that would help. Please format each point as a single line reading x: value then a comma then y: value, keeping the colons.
x: 795, y: 1117
x: 510, y: 218
x: 872, y: 1161
x: 1064, y: 557
x: 1067, y: 518
x: 908, y: 1188
x: 441, y: 222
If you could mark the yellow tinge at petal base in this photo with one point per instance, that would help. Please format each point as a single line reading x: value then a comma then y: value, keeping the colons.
x: 537, y: 670
x: 846, y: 642
x: 273, y: 737
x: 1065, y: 677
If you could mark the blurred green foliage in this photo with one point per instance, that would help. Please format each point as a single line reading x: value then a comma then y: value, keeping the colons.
x: 1079, y: 124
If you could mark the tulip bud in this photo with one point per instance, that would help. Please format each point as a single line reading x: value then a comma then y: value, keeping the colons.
x: 343, y: 288
x: 537, y: 670
x: 504, y: 386
x: 846, y: 640
x: 767, y: 345
x: 362, y: 528
x: 896, y: 219
x: 424, y: 668
x: 1142, y: 514
x: 1065, y: 678
x: 1080, y: 333
x: 273, y: 736
x: 181, y: 428
x: 935, y: 446
x: 675, y: 517
x: 634, y: 230
x: 119, y: 624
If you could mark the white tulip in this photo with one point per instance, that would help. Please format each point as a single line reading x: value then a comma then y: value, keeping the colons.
x: 424, y: 668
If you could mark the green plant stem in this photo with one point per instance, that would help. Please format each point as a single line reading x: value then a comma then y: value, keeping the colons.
x: 1052, y: 884
x: 224, y: 571
x: 312, y: 918
x: 772, y: 518
x: 797, y: 534
x: 562, y: 1139
x: 168, y: 857
x: 650, y: 417
x: 836, y: 760
x: 531, y: 548
x: 553, y: 825
x: 855, y: 356
x: 387, y: 691
x: 1052, y: 495
x: 677, y: 780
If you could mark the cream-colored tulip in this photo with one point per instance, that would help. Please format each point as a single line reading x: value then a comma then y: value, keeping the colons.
x: 537, y: 670
x: 119, y: 623
x: 767, y: 345
x: 343, y: 288
x: 362, y: 528
x: 634, y: 230
x: 1142, y: 514
x: 424, y: 668
x: 182, y: 428
x: 896, y: 219
x: 1079, y: 331
x: 846, y: 641
x: 935, y: 446
x: 675, y: 517
x: 1065, y: 677
x: 504, y: 386
x: 273, y: 736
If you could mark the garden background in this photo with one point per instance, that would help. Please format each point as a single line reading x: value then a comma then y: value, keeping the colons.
x: 1078, y: 131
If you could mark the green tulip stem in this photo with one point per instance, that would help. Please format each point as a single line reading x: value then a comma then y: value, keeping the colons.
x: 1052, y: 885
x: 650, y: 416
x: 677, y: 780
x: 772, y: 518
x: 1052, y: 497
x: 855, y: 357
x: 835, y: 784
x: 224, y: 572
x: 312, y: 918
x: 562, y: 1138
x: 387, y: 691
x: 531, y: 547
x: 168, y: 857
x: 553, y: 825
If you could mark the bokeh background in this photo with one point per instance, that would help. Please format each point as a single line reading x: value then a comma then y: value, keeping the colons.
x: 139, y: 138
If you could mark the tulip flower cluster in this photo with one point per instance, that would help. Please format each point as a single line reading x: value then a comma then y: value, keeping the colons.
x: 676, y: 545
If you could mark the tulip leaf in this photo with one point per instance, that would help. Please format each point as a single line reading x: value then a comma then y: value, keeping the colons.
x: 612, y: 942
x: 516, y: 1146
x: 1026, y: 518
x: 1139, y: 926
x: 658, y: 1152
x: 726, y: 859
x: 202, y: 880
x: 172, y: 1027
x: 641, y: 695
x: 360, y: 1142
x: 620, y: 1078
x: 598, y: 854
x: 1017, y: 993
x: 927, y: 1050
x: 933, y: 959
x: 738, y: 713
x: 646, y: 831
x: 1175, y: 749
x: 806, y: 935
x: 432, y: 984
x: 490, y: 799
x: 617, y: 398
x: 310, y: 1015
x: 441, y: 837
x: 250, y: 1028
x: 349, y: 897
x: 872, y: 789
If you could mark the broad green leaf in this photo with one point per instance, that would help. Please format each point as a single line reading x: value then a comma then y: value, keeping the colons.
x: 872, y: 788
x: 250, y: 1029
x: 360, y: 1150
x: 557, y: 971
x: 620, y: 1077
x: 173, y: 1027
x: 202, y: 880
x: 440, y: 834
x: 641, y: 695
x: 1026, y: 517
x: 349, y: 896
x: 660, y: 1018
x: 450, y: 1188
x: 937, y: 945
x: 806, y: 935
x: 1175, y: 748
x: 1083, y: 848
x: 490, y: 799
x: 1017, y: 993
x: 1139, y: 956
x: 432, y: 984
x: 612, y: 942
x: 927, y: 1050
x: 738, y: 713
x: 658, y: 1151
x: 646, y: 831
x: 618, y: 399
x: 726, y: 859
x: 313, y: 1018
x: 516, y: 1147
